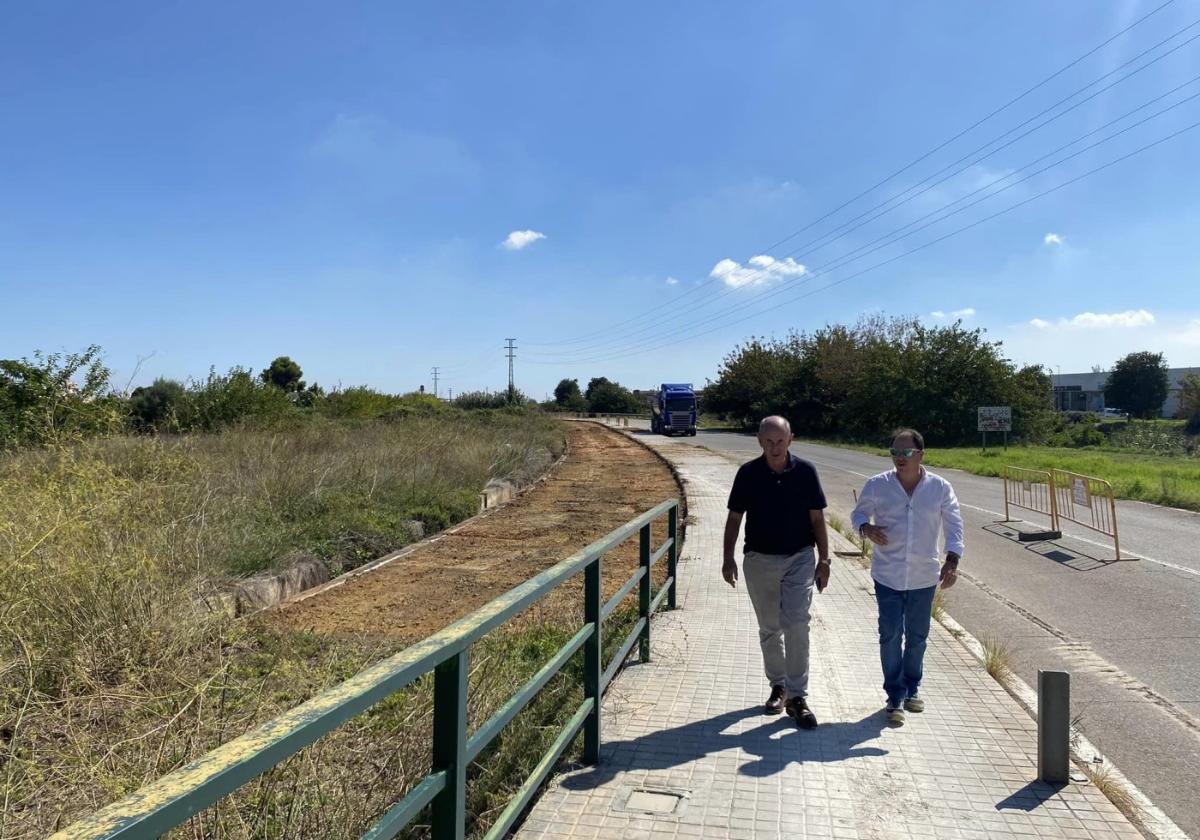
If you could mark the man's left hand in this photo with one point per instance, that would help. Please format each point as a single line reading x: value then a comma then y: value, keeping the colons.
x: 821, y: 576
x: 948, y: 575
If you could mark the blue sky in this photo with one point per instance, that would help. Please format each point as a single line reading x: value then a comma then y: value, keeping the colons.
x: 196, y: 185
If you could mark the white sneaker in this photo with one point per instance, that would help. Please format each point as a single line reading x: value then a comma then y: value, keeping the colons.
x: 914, y: 704
x: 895, y: 716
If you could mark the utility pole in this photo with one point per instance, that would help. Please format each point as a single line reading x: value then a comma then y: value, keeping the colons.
x: 435, y: 381
x: 511, y: 349
x: 451, y: 395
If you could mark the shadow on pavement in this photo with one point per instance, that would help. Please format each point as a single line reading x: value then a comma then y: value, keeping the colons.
x: 1071, y: 558
x: 1031, y: 797
x: 774, y: 744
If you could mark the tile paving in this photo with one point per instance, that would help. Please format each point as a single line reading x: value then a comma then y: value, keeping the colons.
x: 688, y: 724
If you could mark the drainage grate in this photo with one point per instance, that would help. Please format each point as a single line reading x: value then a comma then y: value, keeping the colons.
x: 654, y: 801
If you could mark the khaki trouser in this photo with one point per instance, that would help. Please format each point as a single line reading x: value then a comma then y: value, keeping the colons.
x: 781, y: 590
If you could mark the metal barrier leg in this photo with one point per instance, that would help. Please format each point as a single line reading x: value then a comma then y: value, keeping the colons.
x: 644, y: 591
x: 1116, y: 534
x: 592, y: 661
x: 450, y: 746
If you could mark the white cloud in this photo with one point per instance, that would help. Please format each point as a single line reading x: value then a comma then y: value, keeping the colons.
x: 956, y: 315
x: 759, y: 271
x: 519, y: 239
x: 1100, y: 320
x: 672, y: 281
x: 1052, y: 239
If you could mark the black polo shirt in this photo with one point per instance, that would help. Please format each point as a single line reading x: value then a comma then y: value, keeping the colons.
x: 777, y: 504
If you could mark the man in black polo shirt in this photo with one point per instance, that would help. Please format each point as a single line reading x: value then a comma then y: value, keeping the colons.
x: 782, y: 496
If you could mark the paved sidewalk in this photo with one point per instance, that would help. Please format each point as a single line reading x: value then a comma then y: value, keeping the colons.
x: 684, y: 733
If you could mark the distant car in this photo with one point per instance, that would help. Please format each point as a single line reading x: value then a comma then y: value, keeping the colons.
x: 1112, y: 412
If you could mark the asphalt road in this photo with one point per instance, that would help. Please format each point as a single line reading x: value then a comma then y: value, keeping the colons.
x: 1128, y: 632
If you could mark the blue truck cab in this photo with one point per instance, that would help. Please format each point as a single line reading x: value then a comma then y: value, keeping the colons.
x: 674, y: 410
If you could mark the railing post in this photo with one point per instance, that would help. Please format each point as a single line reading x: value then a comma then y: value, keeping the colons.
x: 1007, y: 518
x: 592, y: 661
x: 644, y: 591
x: 450, y: 746
x: 672, y: 553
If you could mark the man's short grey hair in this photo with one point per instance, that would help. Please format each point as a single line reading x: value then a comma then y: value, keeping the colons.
x: 776, y: 421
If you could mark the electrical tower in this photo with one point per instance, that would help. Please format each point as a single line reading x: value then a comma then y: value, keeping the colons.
x: 511, y: 349
x: 435, y: 381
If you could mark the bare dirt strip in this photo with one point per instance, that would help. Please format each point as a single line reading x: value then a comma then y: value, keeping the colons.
x: 604, y: 480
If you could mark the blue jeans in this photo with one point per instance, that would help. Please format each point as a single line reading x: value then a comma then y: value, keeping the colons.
x: 903, y: 613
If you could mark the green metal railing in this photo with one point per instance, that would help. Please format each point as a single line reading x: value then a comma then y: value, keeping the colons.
x: 175, y: 798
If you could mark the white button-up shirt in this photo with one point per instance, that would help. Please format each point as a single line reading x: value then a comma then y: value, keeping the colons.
x: 910, y: 560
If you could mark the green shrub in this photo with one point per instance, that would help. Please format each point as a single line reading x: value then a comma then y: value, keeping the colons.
x: 56, y: 398
x: 223, y: 400
x: 477, y: 400
x: 1150, y: 436
x: 154, y: 408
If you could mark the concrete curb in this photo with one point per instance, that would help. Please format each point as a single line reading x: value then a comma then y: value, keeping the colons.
x: 388, y: 559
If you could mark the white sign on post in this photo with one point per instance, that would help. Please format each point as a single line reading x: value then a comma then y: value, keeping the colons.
x: 1082, y: 497
x: 995, y: 418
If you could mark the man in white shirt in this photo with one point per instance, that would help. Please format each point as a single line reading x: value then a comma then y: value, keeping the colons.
x: 902, y: 511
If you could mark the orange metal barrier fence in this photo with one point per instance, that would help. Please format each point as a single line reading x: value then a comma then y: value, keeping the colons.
x: 1031, y: 490
x: 1061, y: 494
x: 1087, y: 501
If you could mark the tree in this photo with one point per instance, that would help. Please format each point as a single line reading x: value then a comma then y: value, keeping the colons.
x: 864, y: 380
x: 153, y: 407
x: 594, y: 383
x: 1138, y: 384
x: 284, y: 373
x: 568, y: 396
x: 610, y: 398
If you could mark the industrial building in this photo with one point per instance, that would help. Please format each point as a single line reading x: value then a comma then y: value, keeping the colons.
x: 1085, y: 391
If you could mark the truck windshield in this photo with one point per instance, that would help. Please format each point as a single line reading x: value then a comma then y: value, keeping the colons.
x: 679, y: 405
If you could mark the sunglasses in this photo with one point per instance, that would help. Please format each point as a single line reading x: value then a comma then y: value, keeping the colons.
x: 907, y: 453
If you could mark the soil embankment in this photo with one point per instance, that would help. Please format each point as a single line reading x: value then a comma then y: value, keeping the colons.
x: 605, y: 480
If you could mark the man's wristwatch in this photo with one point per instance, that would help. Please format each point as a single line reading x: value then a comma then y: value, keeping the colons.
x: 825, y: 561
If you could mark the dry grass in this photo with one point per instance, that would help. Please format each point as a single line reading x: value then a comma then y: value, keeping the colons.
x: 1106, y: 781
x: 109, y: 674
x: 997, y: 659
x: 864, y: 555
x: 939, y: 604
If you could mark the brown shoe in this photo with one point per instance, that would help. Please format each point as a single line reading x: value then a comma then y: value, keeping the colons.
x: 774, y: 704
x: 798, y: 711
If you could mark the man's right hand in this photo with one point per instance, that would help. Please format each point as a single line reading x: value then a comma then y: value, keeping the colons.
x: 875, y: 534
x: 729, y: 571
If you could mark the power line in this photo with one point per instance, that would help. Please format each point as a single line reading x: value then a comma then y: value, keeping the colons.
x: 911, y: 251
x: 842, y: 230
x: 894, y: 235
x: 893, y: 175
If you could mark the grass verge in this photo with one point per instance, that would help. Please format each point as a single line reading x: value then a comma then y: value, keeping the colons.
x: 110, y: 676
x: 1172, y: 480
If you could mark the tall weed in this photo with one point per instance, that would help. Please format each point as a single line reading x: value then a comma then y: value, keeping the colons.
x: 111, y: 674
